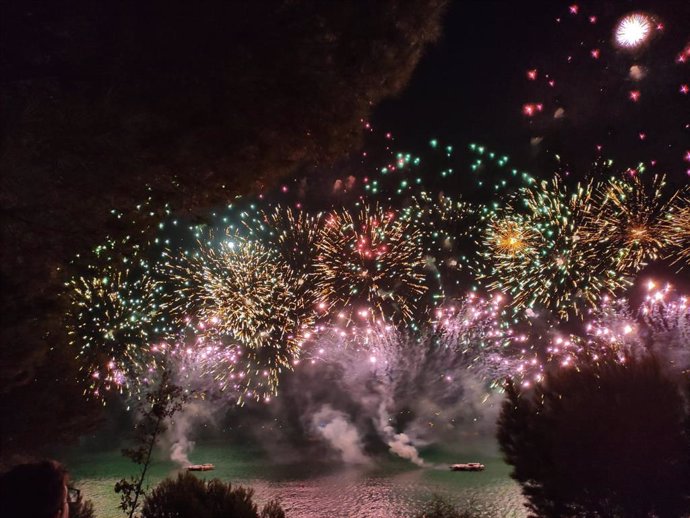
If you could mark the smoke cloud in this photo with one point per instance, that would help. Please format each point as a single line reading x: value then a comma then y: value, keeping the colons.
x: 343, y: 436
x: 177, y: 437
x: 402, y: 446
x: 382, y: 392
x: 362, y: 393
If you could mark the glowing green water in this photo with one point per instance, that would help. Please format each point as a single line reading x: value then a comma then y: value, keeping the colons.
x: 388, y: 488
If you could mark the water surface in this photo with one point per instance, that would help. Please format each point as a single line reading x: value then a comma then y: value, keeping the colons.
x: 389, y: 487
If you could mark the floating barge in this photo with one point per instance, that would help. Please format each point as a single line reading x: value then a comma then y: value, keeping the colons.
x: 201, y: 467
x: 470, y: 466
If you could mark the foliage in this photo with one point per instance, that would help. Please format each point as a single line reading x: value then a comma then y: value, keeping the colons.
x: 52, y: 401
x: 81, y: 508
x: 109, y: 107
x: 161, y: 405
x: 439, y: 507
x: 272, y: 509
x: 604, y: 440
x: 190, y: 497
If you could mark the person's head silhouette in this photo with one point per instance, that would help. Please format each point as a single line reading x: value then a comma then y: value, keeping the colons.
x: 37, y: 490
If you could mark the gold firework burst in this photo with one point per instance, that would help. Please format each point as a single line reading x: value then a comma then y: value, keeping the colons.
x: 370, y: 261
x: 628, y: 222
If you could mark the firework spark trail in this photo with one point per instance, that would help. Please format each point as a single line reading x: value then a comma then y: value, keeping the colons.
x: 560, y: 273
x: 292, y: 233
x: 628, y: 222
x: 372, y: 261
x: 448, y: 226
x: 442, y: 220
x: 113, y: 314
x: 246, y: 300
x: 412, y: 388
x: 666, y: 317
x: 677, y: 228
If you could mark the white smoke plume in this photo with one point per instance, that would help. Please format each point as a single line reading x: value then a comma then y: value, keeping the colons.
x: 180, y: 450
x: 401, y: 445
x: 341, y: 434
x: 365, y: 388
x: 389, y: 385
x: 177, y: 436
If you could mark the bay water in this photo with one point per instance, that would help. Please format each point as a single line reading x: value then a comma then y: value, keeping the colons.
x: 388, y: 487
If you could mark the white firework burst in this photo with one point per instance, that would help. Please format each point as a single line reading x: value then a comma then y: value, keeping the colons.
x: 633, y: 30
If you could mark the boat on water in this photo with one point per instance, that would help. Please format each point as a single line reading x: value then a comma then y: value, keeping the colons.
x: 470, y: 466
x: 201, y: 467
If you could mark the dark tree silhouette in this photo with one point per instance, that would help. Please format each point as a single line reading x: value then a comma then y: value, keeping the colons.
x: 112, y: 104
x: 81, y: 508
x: 190, y: 497
x: 158, y: 407
x: 605, y: 440
x: 48, y: 410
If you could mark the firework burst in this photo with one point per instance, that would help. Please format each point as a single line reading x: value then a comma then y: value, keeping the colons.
x: 627, y: 222
x: 448, y: 228
x: 371, y: 261
x: 473, y: 328
x: 633, y: 30
x: 442, y: 220
x: 538, y: 256
x: 113, y: 316
x: 511, y: 239
x: 290, y: 232
x: 677, y: 227
x: 258, y: 287
x: 247, y: 302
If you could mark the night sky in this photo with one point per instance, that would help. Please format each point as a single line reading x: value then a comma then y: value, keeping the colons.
x: 472, y: 85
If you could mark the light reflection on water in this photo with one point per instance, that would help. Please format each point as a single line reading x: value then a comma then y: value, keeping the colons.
x: 391, y: 488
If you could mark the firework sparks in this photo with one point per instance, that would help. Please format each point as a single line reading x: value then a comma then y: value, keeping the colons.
x: 660, y: 325
x: 628, y: 222
x: 666, y: 317
x: 448, y: 227
x: 473, y: 327
x: 677, y: 227
x: 242, y: 294
x: 112, y: 317
x: 441, y: 220
x: 511, y: 238
x: 614, y: 326
x: 562, y: 275
x: 292, y: 233
x: 239, y: 304
x: 633, y: 30
x: 373, y: 260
